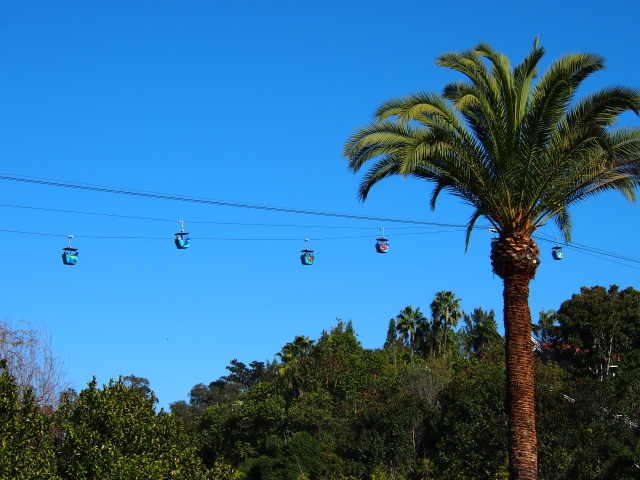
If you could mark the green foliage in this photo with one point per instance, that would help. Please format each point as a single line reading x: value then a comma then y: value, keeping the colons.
x: 355, y: 414
x: 360, y: 411
x: 469, y: 436
x: 27, y: 448
x: 598, y: 329
x: 445, y: 311
x: 583, y: 425
x: 299, y: 455
x: 392, y: 334
x: 479, y: 333
x: 139, y: 384
x: 115, y: 433
x: 224, y: 390
x: 313, y: 413
x: 583, y: 429
x: 409, y: 322
x: 238, y: 431
x: 546, y: 325
x: 294, y: 357
x: 519, y: 153
x: 338, y: 365
x: 222, y: 470
x: 245, y: 376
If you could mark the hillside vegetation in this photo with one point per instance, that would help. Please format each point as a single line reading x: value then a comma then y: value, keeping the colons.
x: 331, y: 409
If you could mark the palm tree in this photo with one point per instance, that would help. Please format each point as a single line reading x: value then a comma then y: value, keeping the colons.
x: 546, y: 321
x: 292, y: 357
x: 426, y: 335
x: 520, y: 153
x: 445, y: 308
x: 408, y: 320
x: 480, y: 331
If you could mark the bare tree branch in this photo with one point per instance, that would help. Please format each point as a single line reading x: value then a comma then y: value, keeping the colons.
x: 32, y: 360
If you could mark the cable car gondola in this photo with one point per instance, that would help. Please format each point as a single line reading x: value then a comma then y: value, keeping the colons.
x: 556, y: 252
x: 69, y: 254
x: 382, y: 244
x: 307, y: 257
x: 182, y: 238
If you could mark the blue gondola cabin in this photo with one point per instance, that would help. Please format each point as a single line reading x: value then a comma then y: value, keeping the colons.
x: 556, y: 253
x: 69, y: 256
x: 307, y: 257
x: 182, y: 240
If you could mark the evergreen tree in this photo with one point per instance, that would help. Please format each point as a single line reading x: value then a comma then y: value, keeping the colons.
x: 392, y: 335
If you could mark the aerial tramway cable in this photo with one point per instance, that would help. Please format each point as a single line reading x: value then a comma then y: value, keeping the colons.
x: 210, y: 222
x: 417, y: 224
x: 202, y: 200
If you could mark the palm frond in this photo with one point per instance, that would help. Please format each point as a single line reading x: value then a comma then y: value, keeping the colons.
x: 371, y: 141
x: 387, y: 166
x: 562, y: 219
x: 519, y: 153
x: 523, y: 75
x: 472, y: 222
x: 552, y: 96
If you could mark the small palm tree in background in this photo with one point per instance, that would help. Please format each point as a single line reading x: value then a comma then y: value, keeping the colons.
x: 408, y: 321
x: 520, y: 154
x: 426, y: 337
x: 546, y: 321
x: 292, y: 357
x: 480, y: 331
x: 445, y: 309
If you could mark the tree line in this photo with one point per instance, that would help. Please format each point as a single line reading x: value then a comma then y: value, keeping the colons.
x: 429, y: 403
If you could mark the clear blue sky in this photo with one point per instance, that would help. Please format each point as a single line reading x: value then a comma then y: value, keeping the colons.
x: 252, y: 101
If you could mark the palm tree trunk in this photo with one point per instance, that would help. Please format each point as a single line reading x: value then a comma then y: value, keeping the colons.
x: 411, y: 340
x: 515, y: 258
x: 520, y: 401
x: 446, y: 320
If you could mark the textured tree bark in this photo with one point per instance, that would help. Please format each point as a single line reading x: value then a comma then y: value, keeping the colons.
x: 520, y: 400
x: 515, y: 258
